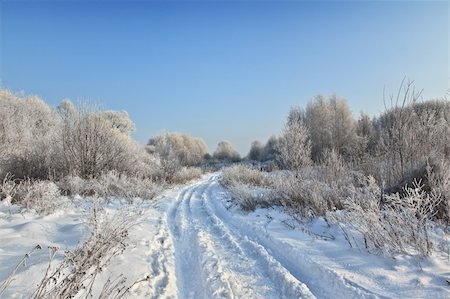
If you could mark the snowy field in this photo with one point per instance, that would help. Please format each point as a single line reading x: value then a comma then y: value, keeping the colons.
x: 194, y: 242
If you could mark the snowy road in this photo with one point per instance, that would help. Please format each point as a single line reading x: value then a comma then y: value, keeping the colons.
x: 217, y: 256
x: 214, y: 259
x: 194, y: 242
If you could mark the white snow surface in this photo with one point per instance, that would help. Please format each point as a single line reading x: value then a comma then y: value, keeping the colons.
x: 194, y: 242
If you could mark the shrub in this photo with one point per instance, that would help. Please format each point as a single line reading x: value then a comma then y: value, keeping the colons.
x: 249, y: 186
x: 251, y: 197
x: 92, y: 142
x: 187, y: 174
x: 243, y: 174
x: 187, y: 150
x: 8, y: 188
x: 256, y: 151
x: 399, y: 225
x: 306, y: 195
x: 41, y: 196
x: 225, y: 151
x: 111, y: 184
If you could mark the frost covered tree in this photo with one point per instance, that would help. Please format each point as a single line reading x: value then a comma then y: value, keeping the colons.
x: 120, y: 121
x: 319, y: 123
x: 169, y: 162
x: 188, y: 150
x: 294, y: 146
x: 27, y: 126
x: 270, y: 149
x: 409, y: 132
x: 256, y: 151
x: 344, y: 131
x: 225, y: 151
x: 92, y: 141
x: 331, y: 126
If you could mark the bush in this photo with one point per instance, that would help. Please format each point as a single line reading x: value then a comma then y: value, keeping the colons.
x: 308, y: 193
x: 92, y: 142
x: 41, y: 196
x: 8, y: 188
x: 251, y: 197
x: 40, y: 142
x: 243, y: 174
x: 249, y: 186
x: 187, y: 174
x: 187, y: 150
x: 393, y: 225
x: 111, y: 184
x: 226, y: 152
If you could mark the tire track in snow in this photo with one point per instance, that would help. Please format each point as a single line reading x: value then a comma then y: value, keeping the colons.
x: 282, y: 283
x: 188, y: 273
x: 212, y: 263
x: 323, y: 282
x: 219, y: 256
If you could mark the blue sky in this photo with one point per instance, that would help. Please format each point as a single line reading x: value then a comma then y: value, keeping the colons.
x: 221, y: 70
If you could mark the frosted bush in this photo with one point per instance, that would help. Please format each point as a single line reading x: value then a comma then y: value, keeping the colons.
x: 120, y: 185
x: 71, y: 185
x: 305, y: 196
x: 111, y: 184
x: 391, y: 224
x: 243, y: 174
x: 186, y: 174
x: 251, y: 197
x: 8, y: 189
x: 41, y: 196
x: 226, y: 152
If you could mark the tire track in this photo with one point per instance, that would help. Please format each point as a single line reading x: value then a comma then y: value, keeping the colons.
x: 320, y: 280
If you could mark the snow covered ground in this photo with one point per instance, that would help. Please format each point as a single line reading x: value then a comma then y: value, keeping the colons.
x: 194, y: 242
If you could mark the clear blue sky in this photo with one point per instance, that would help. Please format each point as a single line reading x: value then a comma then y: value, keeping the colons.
x: 221, y: 70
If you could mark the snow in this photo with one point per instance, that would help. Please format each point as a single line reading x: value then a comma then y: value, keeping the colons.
x: 193, y: 241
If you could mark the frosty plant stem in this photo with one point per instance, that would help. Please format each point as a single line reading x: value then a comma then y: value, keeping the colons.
x: 23, y: 261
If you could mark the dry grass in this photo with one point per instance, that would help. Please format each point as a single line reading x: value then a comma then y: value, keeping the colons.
x: 76, y: 274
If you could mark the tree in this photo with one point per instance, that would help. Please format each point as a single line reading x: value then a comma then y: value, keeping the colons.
x: 256, y: 151
x: 270, y: 149
x: 331, y: 126
x: 162, y: 147
x: 319, y: 123
x: 396, y: 137
x: 294, y: 145
x: 226, y: 152
x: 410, y: 131
x: 92, y: 141
x: 344, y: 133
x: 188, y: 150
x: 27, y: 126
